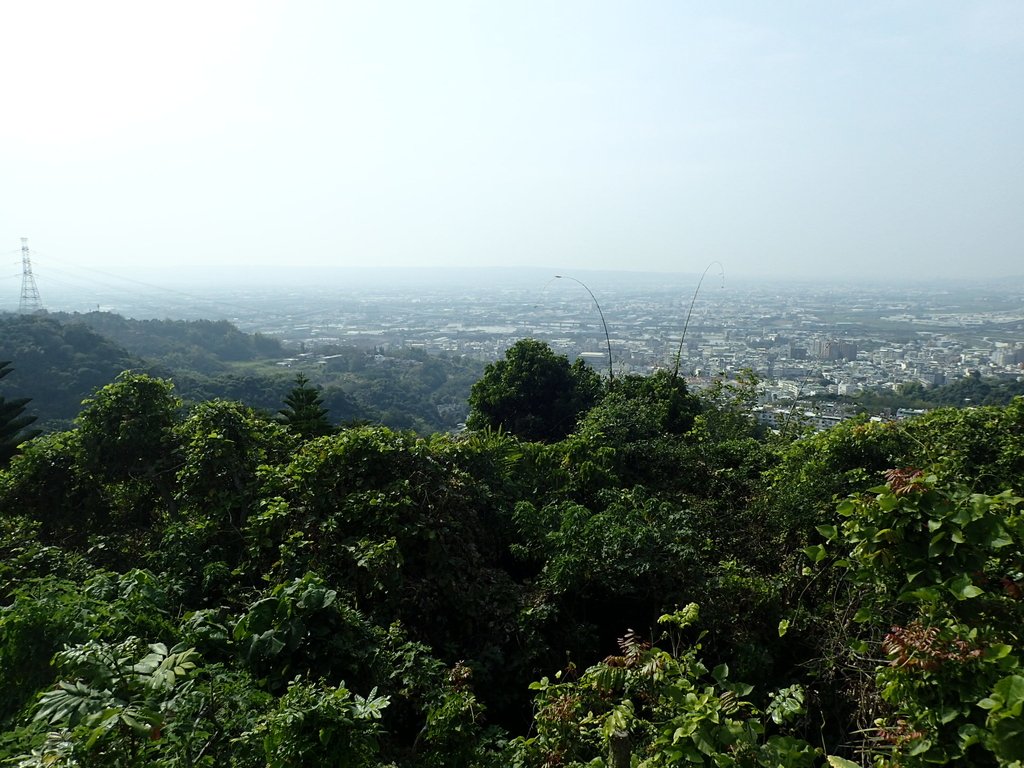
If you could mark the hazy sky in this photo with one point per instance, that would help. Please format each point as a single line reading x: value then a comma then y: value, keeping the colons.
x: 804, y: 139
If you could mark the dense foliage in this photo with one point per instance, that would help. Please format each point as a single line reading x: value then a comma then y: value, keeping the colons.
x: 663, y: 585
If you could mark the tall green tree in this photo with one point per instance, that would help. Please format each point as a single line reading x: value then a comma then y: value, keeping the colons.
x: 127, y: 427
x: 533, y: 393
x: 304, y: 410
x: 127, y: 441
x: 13, y: 421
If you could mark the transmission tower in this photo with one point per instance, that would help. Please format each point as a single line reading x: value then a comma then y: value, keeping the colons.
x: 30, y: 301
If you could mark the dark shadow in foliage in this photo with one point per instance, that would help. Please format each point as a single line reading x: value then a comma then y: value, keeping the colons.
x: 628, y: 559
x: 48, y: 484
x: 635, y: 432
x: 386, y: 516
x: 217, y: 488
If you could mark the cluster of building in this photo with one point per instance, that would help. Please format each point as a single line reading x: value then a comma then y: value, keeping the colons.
x: 801, y: 340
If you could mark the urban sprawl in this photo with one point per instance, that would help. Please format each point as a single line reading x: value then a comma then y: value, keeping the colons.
x: 802, y: 341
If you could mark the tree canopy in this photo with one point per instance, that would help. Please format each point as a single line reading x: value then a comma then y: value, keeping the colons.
x: 665, y: 585
x: 533, y: 393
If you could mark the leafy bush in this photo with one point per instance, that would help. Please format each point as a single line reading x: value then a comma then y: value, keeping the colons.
x: 939, y: 566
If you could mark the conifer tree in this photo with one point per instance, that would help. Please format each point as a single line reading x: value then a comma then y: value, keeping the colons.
x: 13, y: 422
x: 304, y: 410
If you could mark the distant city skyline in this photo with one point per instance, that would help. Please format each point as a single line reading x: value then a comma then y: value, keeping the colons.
x: 808, y: 140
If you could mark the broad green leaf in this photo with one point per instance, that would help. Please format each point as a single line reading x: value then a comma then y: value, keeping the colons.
x: 828, y: 531
x: 1001, y: 540
x: 963, y: 589
x: 926, y: 595
x: 949, y: 714
x: 846, y: 508
x: 815, y: 553
x: 920, y: 747
x: 887, y: 502
x: 1011, y: 691
x: 998, y: 651
x: 863, y: 614
x: 1009, y: 739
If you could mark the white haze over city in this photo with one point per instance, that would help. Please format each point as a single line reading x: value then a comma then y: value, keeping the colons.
x: 800, y: 140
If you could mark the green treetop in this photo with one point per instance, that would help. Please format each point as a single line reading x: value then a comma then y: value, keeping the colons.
x: 533, y: 393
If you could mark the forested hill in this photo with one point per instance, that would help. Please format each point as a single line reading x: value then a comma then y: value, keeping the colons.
x: 207, y: 346
x: 58, y: 364
x: 59, y: 359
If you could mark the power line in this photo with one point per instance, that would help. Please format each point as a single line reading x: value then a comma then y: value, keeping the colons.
x: 192, y: 299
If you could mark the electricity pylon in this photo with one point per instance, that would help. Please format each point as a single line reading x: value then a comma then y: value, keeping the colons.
x: 30, y: 301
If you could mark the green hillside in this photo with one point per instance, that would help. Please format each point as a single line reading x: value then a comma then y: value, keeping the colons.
x: 62, y: 358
